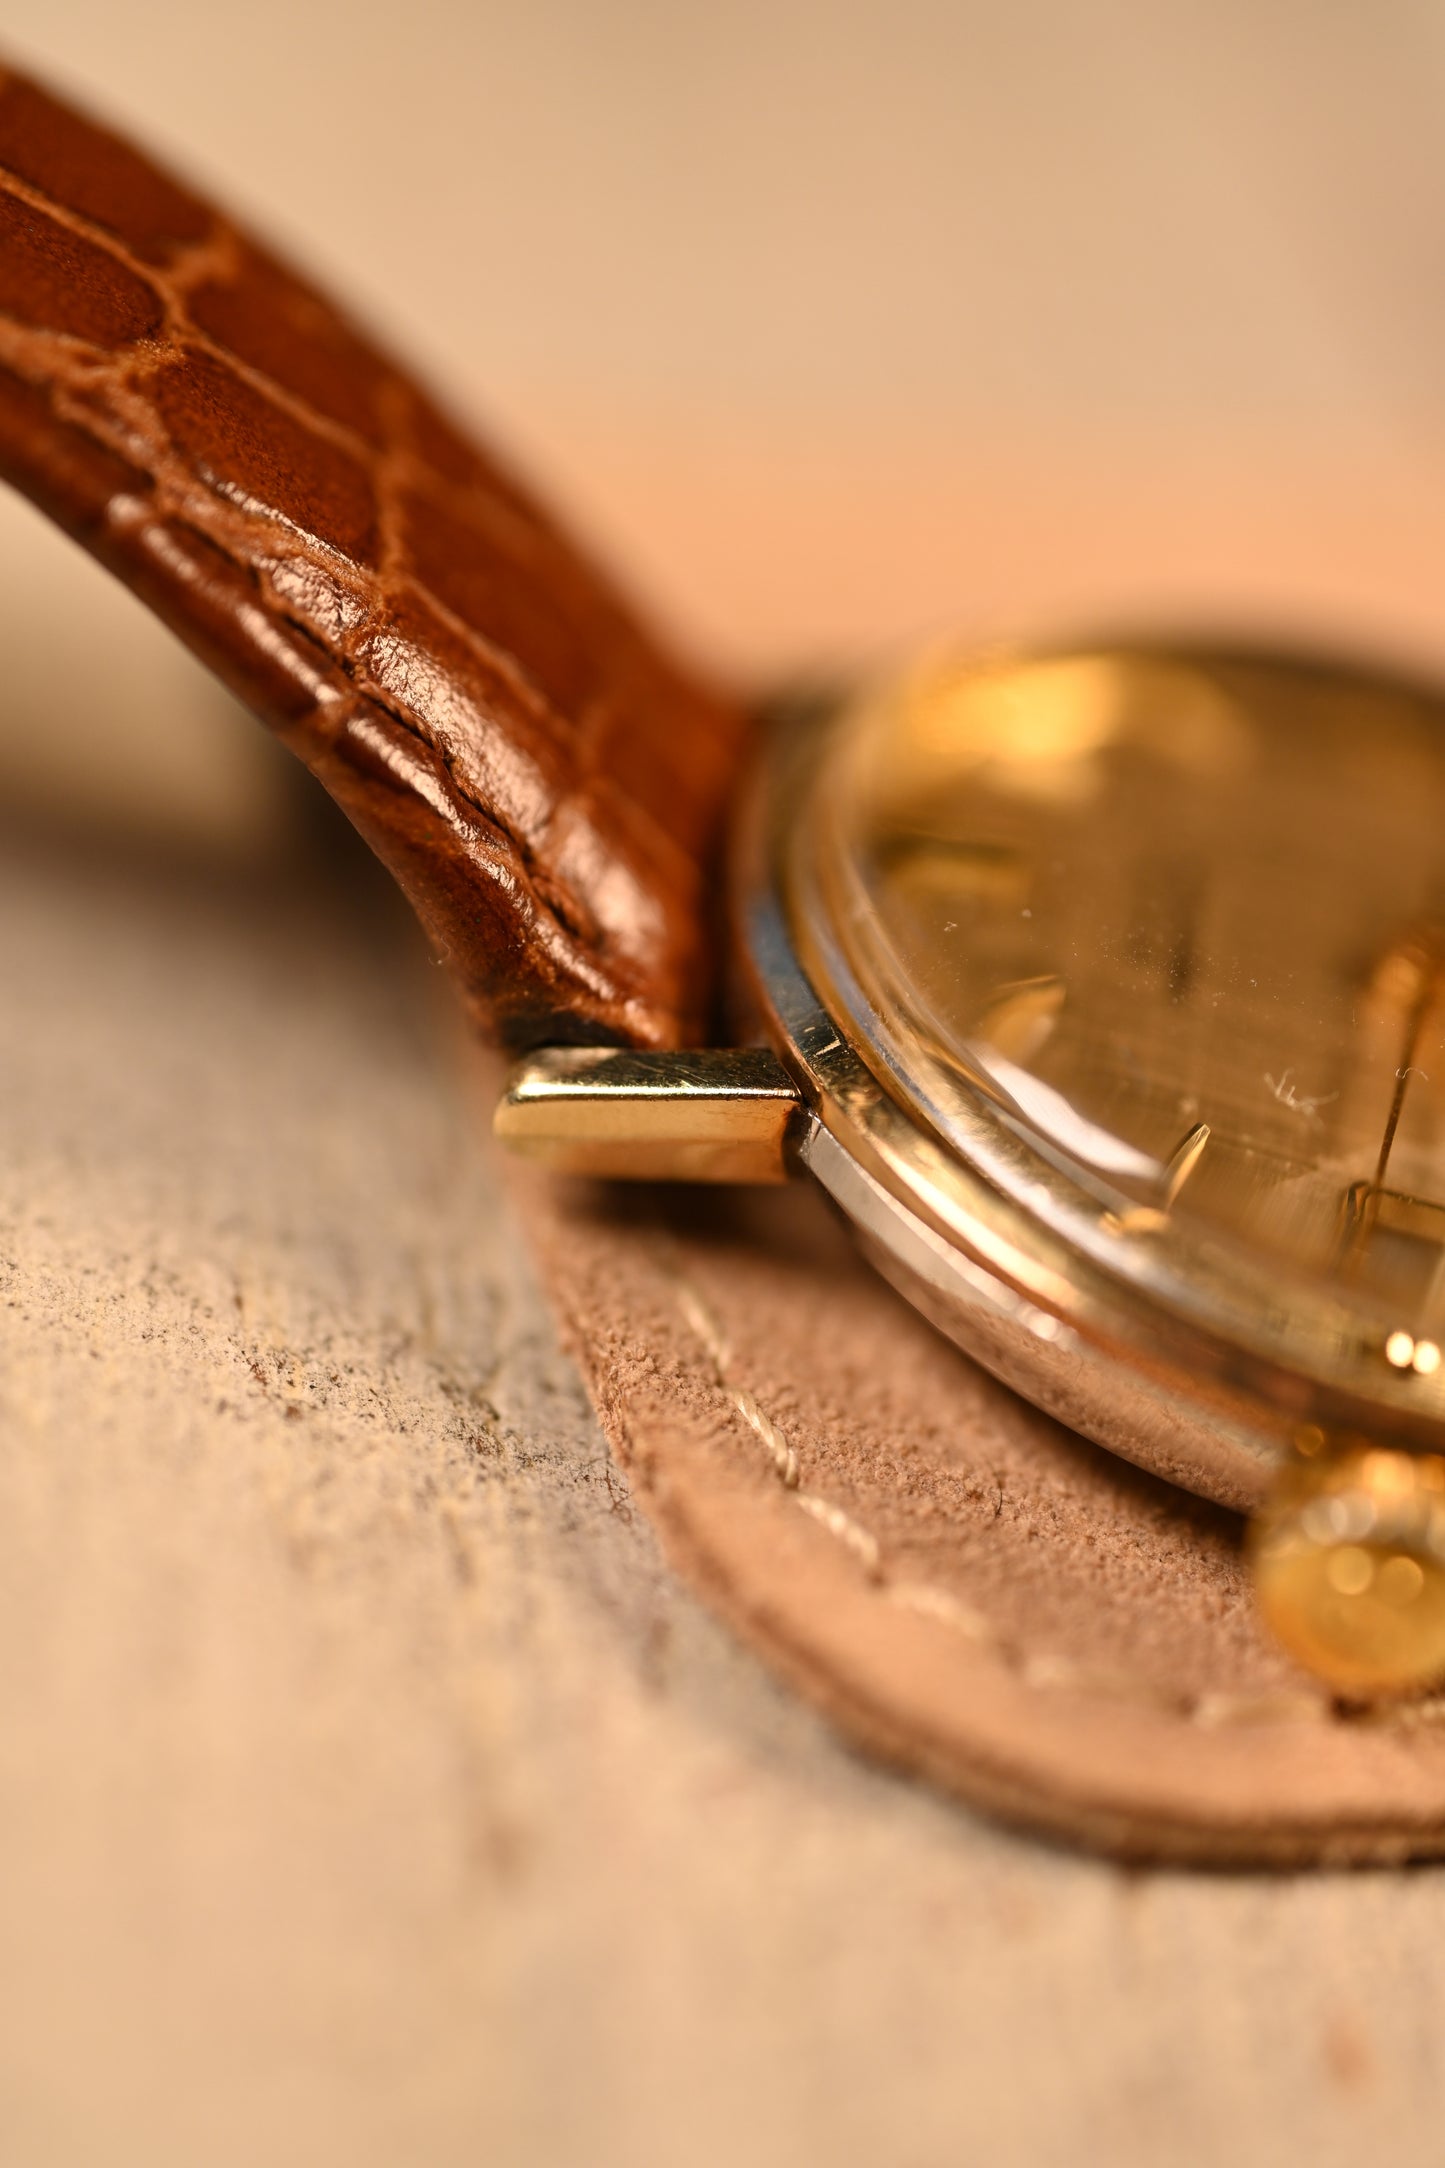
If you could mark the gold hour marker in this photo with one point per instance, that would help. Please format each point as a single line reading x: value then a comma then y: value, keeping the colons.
x: 1183, y: 1160
x: 1147, y: 1219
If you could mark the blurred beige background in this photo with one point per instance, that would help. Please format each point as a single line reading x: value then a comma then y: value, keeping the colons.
x: 369, y: 1790
x: 835, y: 319
x: 840, y: 322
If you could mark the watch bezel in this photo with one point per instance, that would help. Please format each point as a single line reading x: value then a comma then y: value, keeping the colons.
x: 1197, y: 1362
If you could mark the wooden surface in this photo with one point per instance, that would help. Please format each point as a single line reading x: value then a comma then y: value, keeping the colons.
x: 369, y: 1791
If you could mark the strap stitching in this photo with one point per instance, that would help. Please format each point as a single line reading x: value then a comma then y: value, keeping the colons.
x: 1043, y: 1671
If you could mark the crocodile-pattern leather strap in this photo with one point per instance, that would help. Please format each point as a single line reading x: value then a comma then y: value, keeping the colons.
x: 544, y: 783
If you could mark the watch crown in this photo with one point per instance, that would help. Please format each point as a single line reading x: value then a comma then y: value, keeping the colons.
x: 1349, y: 1566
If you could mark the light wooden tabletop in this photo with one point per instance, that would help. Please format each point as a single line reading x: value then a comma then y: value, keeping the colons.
x: 371, y: 1792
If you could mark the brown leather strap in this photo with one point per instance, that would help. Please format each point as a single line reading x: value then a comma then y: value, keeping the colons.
x: 543, y: 782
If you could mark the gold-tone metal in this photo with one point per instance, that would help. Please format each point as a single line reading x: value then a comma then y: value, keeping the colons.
x: 1404, y: 1352
x: 1108, y: 988
x: 697, y: 1116
x: 1349, y: 1563
x: 1118, y: 973
x: 1183, y: 1160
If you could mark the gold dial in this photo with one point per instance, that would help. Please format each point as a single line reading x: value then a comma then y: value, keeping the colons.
x: 1181, y: 923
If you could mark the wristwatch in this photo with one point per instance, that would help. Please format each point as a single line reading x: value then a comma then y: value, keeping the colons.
x: 1106, y: 994
x: 1100, y: 987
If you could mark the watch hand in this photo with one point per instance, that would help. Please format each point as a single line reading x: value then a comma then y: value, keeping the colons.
x: 1421, y: 960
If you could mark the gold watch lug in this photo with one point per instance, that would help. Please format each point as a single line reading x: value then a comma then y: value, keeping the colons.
x: 726, y: 1114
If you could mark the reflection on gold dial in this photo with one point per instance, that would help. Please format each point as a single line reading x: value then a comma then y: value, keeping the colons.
x: 1180, y: 922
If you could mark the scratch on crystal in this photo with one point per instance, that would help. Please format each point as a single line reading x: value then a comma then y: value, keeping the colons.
x: 1282, y: 1089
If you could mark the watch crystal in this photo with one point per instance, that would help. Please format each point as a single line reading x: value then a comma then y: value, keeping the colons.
x: 1171, y: 927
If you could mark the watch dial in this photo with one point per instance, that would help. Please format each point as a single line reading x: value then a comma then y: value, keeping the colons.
x: 1177, y: 924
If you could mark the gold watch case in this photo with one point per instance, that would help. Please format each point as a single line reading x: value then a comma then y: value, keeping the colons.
x: 1107, y: 989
